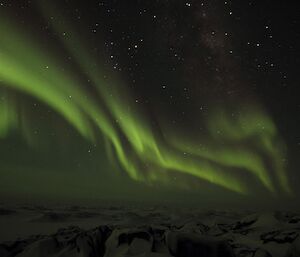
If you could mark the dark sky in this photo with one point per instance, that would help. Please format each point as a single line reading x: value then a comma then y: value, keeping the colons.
x: 144, y: 99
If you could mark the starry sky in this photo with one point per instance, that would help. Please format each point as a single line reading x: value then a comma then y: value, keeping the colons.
x: 149, y: 100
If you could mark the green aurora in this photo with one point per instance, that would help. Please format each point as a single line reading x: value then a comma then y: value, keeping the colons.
x: 247, y: 143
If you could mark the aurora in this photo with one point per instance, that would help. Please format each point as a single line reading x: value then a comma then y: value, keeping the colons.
x: 147, y: 148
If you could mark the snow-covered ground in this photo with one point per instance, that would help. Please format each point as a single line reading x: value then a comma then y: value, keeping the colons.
x: 115, y: 231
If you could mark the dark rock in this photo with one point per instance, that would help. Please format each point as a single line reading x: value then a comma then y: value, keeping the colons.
x: 281, y: 237
x: 4, y: 211
x: 192, y: 245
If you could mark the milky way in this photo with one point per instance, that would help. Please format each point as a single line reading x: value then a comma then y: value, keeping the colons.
x: 230, y: 147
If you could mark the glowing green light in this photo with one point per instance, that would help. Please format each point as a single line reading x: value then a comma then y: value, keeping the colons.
x: 141, y: 151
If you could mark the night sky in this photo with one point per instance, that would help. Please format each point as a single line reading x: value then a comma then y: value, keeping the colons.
x: 149, y: 100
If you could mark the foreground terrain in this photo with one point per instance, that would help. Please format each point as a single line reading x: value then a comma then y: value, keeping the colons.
x: 33, y: 231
